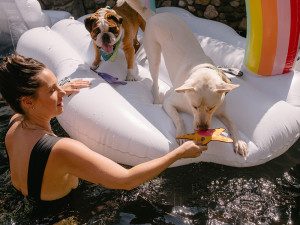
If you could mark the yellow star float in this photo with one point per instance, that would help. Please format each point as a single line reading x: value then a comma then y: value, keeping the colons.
x: 206, y: 136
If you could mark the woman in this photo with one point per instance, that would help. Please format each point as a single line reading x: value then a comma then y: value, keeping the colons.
x: 47, y: 167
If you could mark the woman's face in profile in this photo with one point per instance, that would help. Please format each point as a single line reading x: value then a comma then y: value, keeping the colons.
x: 49, y: 96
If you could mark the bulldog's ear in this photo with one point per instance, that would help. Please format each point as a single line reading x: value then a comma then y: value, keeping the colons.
x: 184, y: 88
x: 120, y: 19
x: 225, y: 87
x: 88, y: 22
x: 116, y: 18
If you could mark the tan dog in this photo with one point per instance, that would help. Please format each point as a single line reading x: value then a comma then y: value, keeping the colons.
x: 113, y: 28
x: 198, y: 88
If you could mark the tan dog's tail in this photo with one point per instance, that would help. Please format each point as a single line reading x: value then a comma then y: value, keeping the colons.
x: 138, y: 6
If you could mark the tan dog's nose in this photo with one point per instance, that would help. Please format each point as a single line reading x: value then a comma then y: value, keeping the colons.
x: 202, y: 127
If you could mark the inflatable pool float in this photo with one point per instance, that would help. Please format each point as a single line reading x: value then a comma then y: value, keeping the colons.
x: 121, y: 121
x: 18, y: 16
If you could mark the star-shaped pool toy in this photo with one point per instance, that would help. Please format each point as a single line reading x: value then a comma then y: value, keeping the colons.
x: 206, y: 136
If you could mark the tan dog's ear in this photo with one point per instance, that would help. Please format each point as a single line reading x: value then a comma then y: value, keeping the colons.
x: 88, y: 22
x: 184, y: 88
x: 225, y: 87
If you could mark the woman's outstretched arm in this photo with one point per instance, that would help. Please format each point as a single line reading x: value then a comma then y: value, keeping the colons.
x: 78, y: 160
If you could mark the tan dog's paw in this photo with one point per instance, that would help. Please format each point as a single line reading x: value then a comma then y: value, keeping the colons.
x: 157, y: 100
x: 181, y: 141
x: 93, y: 67
x: 130, y: 75
x: 180, y: 132
x: 241, y: 148
x: 156, y: 96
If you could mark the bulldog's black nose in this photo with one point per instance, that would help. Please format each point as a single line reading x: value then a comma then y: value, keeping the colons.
x: 105, y: 38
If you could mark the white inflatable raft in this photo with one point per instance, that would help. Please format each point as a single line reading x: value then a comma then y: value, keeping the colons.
x: 121, y: 121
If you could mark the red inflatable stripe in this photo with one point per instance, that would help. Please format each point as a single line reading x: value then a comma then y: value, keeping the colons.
x: 294, y: 36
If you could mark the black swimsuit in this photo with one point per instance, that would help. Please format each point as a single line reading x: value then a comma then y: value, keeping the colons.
x: 37, y: 163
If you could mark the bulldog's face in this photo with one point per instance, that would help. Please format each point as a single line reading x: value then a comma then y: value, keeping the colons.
x: 105, y: 28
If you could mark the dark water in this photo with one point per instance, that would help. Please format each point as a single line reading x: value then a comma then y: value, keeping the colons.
x: 203, y: 193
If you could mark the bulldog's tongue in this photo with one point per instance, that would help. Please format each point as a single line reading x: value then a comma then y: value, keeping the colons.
x: 108, y: 48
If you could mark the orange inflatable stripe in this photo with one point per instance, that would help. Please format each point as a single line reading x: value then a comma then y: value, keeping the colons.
x: 269, y: 38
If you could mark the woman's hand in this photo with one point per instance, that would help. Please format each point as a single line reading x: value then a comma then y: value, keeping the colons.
x: 74, y: 86
x: 190, y: 150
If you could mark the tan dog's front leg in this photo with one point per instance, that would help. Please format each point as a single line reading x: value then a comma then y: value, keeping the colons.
x: 129, y: 53
x: 97, y: 57
x: 153, y: 52
x: 170, y: 108
x: 240, y: 146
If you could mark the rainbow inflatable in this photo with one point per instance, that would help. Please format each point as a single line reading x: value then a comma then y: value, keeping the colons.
x: 150, y: 4
x: 273, y: 28
x: 122, y: 123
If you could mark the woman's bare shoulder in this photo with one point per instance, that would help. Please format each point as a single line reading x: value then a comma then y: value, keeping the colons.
x: 16, y: 116
x: 70, y: 153
x: 69, y: 145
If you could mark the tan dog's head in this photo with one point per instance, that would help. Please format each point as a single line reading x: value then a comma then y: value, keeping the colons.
x: 205, y: 93
x: 105, y: 28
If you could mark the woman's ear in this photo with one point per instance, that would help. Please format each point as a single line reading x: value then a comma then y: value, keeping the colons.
x: 27, y: 102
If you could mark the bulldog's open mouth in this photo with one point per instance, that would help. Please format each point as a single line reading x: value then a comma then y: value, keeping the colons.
x: 108, y: 48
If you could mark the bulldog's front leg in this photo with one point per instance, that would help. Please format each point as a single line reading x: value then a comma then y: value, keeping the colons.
x: 129, y: 54
x: 97, y: 58
x: 130, y: 75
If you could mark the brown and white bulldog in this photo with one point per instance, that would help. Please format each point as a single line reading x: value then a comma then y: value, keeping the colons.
x: 114, y: 28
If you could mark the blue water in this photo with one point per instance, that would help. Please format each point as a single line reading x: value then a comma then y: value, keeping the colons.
x: 203, y: 193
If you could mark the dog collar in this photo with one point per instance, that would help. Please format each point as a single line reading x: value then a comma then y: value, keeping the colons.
x: 220, y: 73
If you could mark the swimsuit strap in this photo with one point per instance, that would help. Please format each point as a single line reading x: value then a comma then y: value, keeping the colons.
x: 37, y: 164
x: 12, y: 123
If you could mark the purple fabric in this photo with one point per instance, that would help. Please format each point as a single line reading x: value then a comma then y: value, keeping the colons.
x: 110, y: 79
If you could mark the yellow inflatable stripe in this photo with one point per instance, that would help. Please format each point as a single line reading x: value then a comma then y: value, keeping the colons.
x: 256, y: 35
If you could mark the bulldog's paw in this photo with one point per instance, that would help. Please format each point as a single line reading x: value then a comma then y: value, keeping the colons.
x: 130, y: 78
x: 130, y: 75
x: 93, y: 67
x: 241, y: 148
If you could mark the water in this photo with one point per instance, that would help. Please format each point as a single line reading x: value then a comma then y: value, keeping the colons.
x: 203, y: 193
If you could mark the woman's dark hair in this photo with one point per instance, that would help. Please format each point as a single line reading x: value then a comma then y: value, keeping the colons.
x: 18, y: 78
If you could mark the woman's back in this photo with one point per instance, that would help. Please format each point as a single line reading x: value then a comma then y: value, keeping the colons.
x: 20, y: 143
